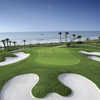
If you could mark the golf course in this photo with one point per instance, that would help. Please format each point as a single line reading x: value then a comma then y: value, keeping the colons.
x: 48, y: 63
x: 49, y: 49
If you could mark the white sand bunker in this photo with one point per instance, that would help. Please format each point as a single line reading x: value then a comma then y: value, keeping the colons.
x: 10, y: 60
x: 94, y: 58
x: 93, y: 55
x: 19, y: 88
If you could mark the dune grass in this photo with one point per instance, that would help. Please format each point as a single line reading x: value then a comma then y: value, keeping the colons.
x: 47, y: 62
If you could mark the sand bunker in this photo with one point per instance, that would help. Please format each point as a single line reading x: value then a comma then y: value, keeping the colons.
x: 10, y: 60
x: 19, y: 88
x: 93, y: 55
x: 94, y: 58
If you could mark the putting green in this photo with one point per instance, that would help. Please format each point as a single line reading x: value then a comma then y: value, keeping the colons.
x: 56, y: 56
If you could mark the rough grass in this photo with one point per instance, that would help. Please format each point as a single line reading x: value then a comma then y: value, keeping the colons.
x: 49, y: 72
x: 4, y: 53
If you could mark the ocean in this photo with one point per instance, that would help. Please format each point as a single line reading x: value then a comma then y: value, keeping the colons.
x: 44, y: 37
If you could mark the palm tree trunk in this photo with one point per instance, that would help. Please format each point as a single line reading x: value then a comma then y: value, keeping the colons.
x: 65, y: 38
x: 60, y: 39
x: 24, y: 43
x: 7, y: 44
x: 4, y: 45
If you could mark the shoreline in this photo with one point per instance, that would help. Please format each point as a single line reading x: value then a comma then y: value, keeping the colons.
x: 42, y: 40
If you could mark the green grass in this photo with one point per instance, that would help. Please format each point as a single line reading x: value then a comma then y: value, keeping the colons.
x: 48, y: 63
x: 4, y: 53
x: 56, y: 56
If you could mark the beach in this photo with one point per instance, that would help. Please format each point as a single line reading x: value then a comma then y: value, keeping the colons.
x: 45, y: 37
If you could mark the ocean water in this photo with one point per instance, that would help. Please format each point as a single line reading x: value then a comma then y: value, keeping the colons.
x: 44, y: 37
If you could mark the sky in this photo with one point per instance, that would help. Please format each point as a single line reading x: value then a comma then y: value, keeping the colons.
x: 49, y: 15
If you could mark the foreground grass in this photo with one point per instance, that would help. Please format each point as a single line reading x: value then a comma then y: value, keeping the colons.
x: 48, y: 70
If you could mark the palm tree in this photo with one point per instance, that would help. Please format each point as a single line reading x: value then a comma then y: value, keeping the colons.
x: 14, y: 43
x: 60, y: 35
x: 10, y: 43
x: 66, y: 36
x: 87, y: 40
x: 7, y: 41
x: 79, y: 37
x: 4, y: 43
x: 74, y: 37
x: 99, y: 38
x: 24, y: 42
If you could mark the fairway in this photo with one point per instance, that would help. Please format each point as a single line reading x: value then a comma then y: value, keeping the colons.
x: 56, y: 56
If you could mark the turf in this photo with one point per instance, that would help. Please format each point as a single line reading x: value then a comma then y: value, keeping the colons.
x: 56, y: 56
x: 49, y: 65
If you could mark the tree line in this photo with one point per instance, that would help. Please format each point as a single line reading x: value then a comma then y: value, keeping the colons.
x: 74, y: 37
x: 8, y: 43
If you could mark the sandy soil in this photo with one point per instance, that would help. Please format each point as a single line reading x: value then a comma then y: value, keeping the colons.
x: 19, y: 88
x: 10, y: 60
